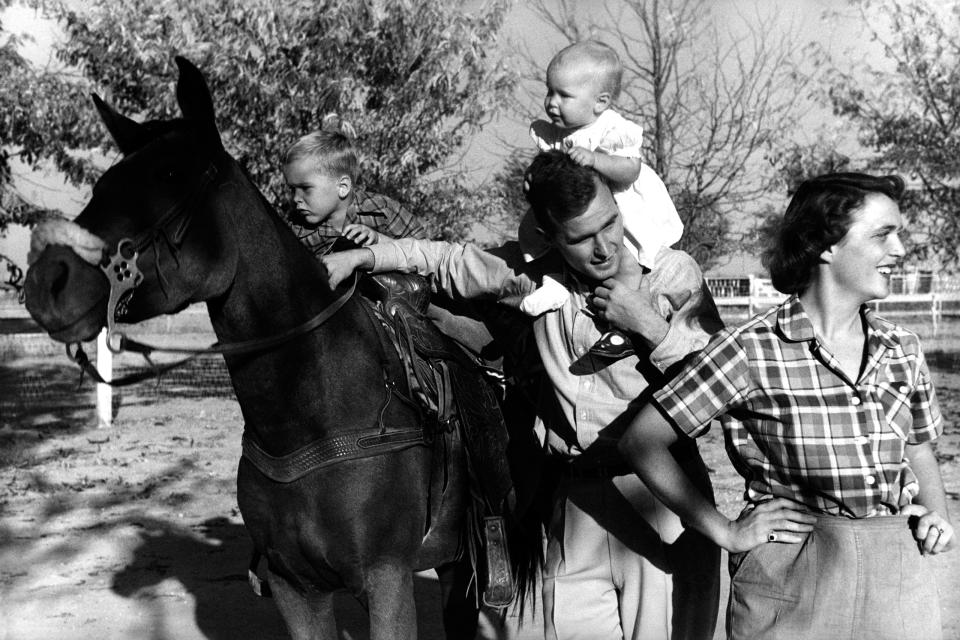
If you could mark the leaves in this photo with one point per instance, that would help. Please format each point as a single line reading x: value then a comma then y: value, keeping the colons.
x: 415, y: 79
x: 906, y: 108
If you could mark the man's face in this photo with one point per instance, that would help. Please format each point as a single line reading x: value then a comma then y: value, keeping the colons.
x: 315, y: 195
x: 590, y: 243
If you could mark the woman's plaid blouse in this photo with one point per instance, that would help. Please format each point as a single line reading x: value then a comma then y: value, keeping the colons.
x: 796, y: 426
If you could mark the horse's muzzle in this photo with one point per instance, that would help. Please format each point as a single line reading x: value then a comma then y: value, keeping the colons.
x: 66, y: 295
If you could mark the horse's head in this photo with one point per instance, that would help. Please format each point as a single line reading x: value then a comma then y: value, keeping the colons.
x: 158, y: 201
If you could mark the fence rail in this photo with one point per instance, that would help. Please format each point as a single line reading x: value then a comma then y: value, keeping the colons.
x: 912, y: 293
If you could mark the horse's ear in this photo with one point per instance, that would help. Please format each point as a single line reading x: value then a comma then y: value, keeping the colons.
x: 128, y: 135
x: 193, y: 96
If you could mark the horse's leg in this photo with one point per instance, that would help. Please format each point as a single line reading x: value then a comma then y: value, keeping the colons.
x: 393, y: 612
x: 308, y: 617
x: 459, y: 597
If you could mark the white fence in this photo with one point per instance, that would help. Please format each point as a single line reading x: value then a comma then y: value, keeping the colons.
x: 911, y: 293
x: 914, y: 294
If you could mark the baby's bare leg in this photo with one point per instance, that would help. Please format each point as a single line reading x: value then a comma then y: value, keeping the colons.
x: 630, y: 272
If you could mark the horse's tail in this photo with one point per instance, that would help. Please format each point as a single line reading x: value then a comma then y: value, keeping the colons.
x: 532, y: 498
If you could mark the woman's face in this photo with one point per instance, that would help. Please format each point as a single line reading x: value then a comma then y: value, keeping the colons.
x: 861, y: 263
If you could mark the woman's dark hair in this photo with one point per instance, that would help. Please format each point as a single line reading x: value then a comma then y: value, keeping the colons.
x: 818, y: 216
x: 558, y: 189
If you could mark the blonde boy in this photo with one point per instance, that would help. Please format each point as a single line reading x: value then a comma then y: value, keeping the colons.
x: 321, y: 171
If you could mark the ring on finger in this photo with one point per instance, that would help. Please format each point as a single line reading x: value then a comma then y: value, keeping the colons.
x: 771, y: 537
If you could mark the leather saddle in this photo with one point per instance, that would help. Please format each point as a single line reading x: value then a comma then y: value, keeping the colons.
x: 447, y: 382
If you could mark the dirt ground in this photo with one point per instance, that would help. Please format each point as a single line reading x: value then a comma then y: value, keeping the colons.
x: 132, y: 531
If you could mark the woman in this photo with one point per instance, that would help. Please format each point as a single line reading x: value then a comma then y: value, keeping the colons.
x: 828, y: 413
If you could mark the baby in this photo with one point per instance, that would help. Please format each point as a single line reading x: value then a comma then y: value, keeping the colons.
x: 583, y: 80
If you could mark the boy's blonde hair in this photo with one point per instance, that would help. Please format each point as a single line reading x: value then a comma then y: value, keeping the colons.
x: 333, y: 152
x: 597, y: 54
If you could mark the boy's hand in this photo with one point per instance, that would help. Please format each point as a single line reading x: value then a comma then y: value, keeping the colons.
x: 361, y: 234
x: 582, y: 156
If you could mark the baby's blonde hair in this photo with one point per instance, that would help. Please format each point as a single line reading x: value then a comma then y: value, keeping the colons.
x: 333, y: 152
x: 597, y: 54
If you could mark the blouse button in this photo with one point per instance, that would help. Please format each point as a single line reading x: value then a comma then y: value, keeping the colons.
x: 861, y: 440
x: 870, y: 480
x: 855, y: 400
x: 904, y: 388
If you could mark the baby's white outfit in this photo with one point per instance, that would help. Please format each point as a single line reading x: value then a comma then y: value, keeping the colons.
x: 650, y: 219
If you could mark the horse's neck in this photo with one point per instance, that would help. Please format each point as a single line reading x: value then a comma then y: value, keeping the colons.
x: 293, y: 392
x: 277, y: 283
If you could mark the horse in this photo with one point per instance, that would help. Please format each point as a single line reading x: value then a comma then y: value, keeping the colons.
x: 184, y: 224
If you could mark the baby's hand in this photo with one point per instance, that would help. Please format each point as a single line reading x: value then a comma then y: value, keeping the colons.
x: 582, y: 156
x: 361, y: 234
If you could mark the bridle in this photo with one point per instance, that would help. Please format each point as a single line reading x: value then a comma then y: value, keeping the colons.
x: 124, y: 275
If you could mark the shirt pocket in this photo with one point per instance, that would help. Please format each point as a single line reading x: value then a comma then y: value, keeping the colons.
x: 894, y: 399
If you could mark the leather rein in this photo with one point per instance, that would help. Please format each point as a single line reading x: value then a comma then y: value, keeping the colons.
x: 123, y: 274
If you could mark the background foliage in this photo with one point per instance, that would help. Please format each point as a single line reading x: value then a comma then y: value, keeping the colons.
x: 713, y: 101
x: 418, y: 79
x: 905, y: 105
x: 415, y: 79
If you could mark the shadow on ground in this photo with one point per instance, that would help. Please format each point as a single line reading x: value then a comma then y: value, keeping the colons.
x: 210, y: 562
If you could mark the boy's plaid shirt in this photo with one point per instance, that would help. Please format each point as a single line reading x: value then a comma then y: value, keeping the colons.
x: 796, y: 426
x: 384, y: 215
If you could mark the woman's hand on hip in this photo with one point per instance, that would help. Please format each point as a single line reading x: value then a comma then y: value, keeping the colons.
x: 776, y: 520
x: 932, y: 531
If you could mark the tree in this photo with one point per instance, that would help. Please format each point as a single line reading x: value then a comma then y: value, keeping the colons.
x: 16, y: 79
x: 907, y: 109
x: 711, y: 104
x: 415, y: 79
x: 792, y: 165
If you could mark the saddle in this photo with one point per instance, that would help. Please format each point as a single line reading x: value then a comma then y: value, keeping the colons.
x: 447, y: 382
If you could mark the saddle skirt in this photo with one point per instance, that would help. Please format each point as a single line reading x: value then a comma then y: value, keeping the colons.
x: 442, y: 377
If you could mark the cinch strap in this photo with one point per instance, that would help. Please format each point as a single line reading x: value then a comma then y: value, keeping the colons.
x: 326, y: 451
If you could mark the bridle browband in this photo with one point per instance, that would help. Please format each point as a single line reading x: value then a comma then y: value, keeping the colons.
x: 124, y: 275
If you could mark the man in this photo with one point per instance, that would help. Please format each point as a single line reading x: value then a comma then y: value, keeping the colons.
x: 619, y: 564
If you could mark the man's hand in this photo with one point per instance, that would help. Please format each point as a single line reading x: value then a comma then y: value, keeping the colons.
x: 582, y: 156
x: 342, y: 264
x: 361, y: 234
x: 633, y: 310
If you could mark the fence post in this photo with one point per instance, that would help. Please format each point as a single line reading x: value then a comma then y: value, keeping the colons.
x: 935, y: 311
x: 104, y: 391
